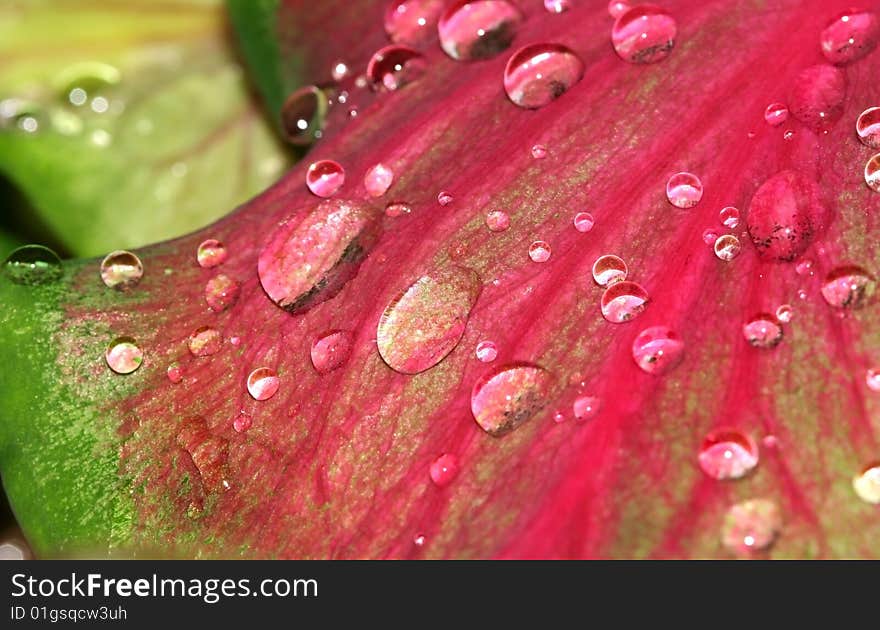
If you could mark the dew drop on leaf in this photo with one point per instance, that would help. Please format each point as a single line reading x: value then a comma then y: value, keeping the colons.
x: 444, y: 469
x: 586, y: 407
x: 657, y: 350
x: 497, y: 220
x: 867, y: 483
x: 33, y: 265
x: 727, y: 247
x: 784, y: 313
x: 221, y: 292
x: 872, y: 173
x: 325, y: 177
x: 330, y: 350
x: 262, y: 383
x: 378, y: 180
x: 763, y: 331
x: 849, y: 287
x: 205, y: 341
x: 395, y: 66
x: 508, y: 396
x: 609, y: 269
x: 710, y: 235
x: 539, y: 151
x: 538, y: 74
x: 583, y: 222
x: 684, y: 190
x: 751, y: 526
x: 302, y: 115
x: 478, y: 29
x: 850, y: 36
x: 174, y: 373
x: 644, y: 34
x: 776, y: 114
x: 727, y: 453
x: 539, y: 251
x: 121, y: 270
x: 616, y: 8
x: 486, y: 351
x: 397, y: 208
x: 868, y: 127
x: 211, y: 253
x: 623, y: 301
x: 817, y: 95
x: 557, y: 6
x: 872, y: 379
x: 729, y: 217
x: 209, y: 453
x: 242, y: 422
x: 412, y: 22
x: 444, y: 198
x: 123, y: 355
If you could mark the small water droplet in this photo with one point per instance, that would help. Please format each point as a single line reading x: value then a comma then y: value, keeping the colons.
x: 538, y: 74
x: 850, y: 36
x: 644, y: 34
x: 872, y: 379
x: 868, y: 127
x: 419, y: 540
x: 785, y: 313
x: 444, y: 198
x: 302, y: 115
x: 788, y: 135
x: 211, y: 253
x: 395, y: 66
x: 623, y: 301
x: 478, y: 29
x: 486, y: 351
x: 763, y: 331
x: 174, y: 373
x: 817, y: 96
x: 425, y: 321
x: 728, y: 454
x: 586, y: 407
x: 262, y: 383
x: 684, y: 190
x: 242, y: 422
x: 121, y: 270
x: 539, y: 151
x: 205, y: 341
x: 33, y: 265
x: 872, y: 173
x: 331, y: 350
x: 557, y: 6
x: 397, y: 208
x: 412, y: 22
x: 539, y: 251
x: 727, y: 247
x: 804, y: 267
x: 497, y: 220
x: 616, y: 8
x: 123, y: 355
x: 583, y: 222
x: 339, y: 71
x: 657, y: 350
x: 609, y: 269
x: 508, y: 396
x: 444, y: 469
x: 802, y: 295
x: 378, y: 180
x: 776, y: 114
x: 849, y: 287
x: 221, y: 292
x: 867, y: 483
x: 325, y: 177
x: 751, y: 526
x: 710, y: 235
x: 729, y: 217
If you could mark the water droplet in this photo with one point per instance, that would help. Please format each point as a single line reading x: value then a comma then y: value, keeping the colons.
x: 444, y: 198
x: 804, y: 267
x: 123, y: 355
x: 586, y: 407
x: 788, y: 135
x: 262, y: 383
x: 412, y: 22
x: 539, y: 151
x: 684, y: 190
x: 872, y: 379
x: 751, y: 526
x: 325, y: 177
x: 729, y: 217
x: 243, y: 422
x: 508, y: 396
x: 339, y: 71
x: 784, y: 313
x: 486, y: 351
x: 850, y: 36
x: 205, y: 341
x: 872, y: 173
x: 497, y: 221
x: 478, y: 29
x: 623, y: 301
x: 644, y: 34
x: 728, y: 454
x: 710, y: 235
x: 33, y: 265
x: 425, y: 321
x: 331, y: 350
x: 727, y: 247
x: 211, y: 253
x: 397, y: 208
x: 174, y: 373
x: 314, y: 253
x: 657, y: 350
x: 868, y: 127
x: 444, y: 469
x: 209, y: 453
x: 558, y: 417
x: 395, y: 66
x: 378, y: 180
x: 867, y: 483
x: 802, y: 294
x: 221, y: 292
x: 557, y: 6
x: 539, y: 251
x: 583, y: 222
x: 302, y: 115
x: 785, y: 215
x: 616, y: 8
x: 776, y: 114
x: 419, y: 540
x: 848, y: 287
x: 763, y: 331
x: 609, y: 269
x: 538, y: 74
x: 817, y: 96
x: 121, y: 270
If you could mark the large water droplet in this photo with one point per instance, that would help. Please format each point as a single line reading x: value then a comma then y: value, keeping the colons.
x: 868, y: 127
x: 325, y: 177
x: 486, y: 351
x: 609, y: 269
x: 751, y: 526
x: 331, y: 350
x: 302, y: 115
x: 508, y: 396
x: 378, y: 180
x: 478, y: 29
x: 644, y: 34
x: 817, y: 96
x: 425, y: 321
x: 395, y: 66
x: 205, y: 341
x: 412, y: 22
x: 850, y: 36
x: 497, y: 220
x: 312, y: 255
x: 221, y: 292
x: 763, y: 331
x: 444, y: 469
x: 785, y: 216
x: 684, y: 190
x: 586, y: 407
x: 263, y: 383
x: 848, y: 287
x: 727, y: 247
x: 33, y: 265
x: 540, y: 73
x: 776, y: 114
x: 583, y: 222
x: 728, y: 454
x: 872, y: 173
x: 623, y: 301
x: 657, y: 350
x: 121, y: 270
x: 123, y: 355
x: 867, y: 483
x: 539, y: 251
x: 211, y: 253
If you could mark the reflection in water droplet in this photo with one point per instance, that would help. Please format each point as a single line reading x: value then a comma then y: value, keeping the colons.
x: 174, y: 373
x: 121, y: 270
x: 776, y: 114
x: 397, y: 208
x: 539, y: 151
x: 609, y: 269
x: 868, y: 127
x: 221, y: 292
x: 872, y: 379
x: 425, y: 321
x: 727, y: 247
x: 763, y: 331
x: 325, y: 177
x: 784, y: 313
x: 850, y: 36
x: 586, y: 407
x: 684, y: 190
x: 243, y: 422
x: 538, y: 74
x: 302, y: 115
x: 644, y: 34
x: 211, y: 253
x: 788, y: 135
x: 497, y: 220
x: 657, y: 350
x: 583, y: 222
x: 710, y: 235
x: 623, y: 301
x: 395, y: 66
x: 412, y: 22
x: 378, y: 180
x: 419, y: 540
x: 33, y: 265
x: 848, y: 287
x: 339, y: 71
x: 262, y: 383
x: 539, y: 251
x: 867, y: 483
x: 616, y: 8
x: 444, y: 198
x: 729, y: 217
x: 728, y: 454
x: 486, y: 351
x: 205, y: 341
x: 817, y: 96
x: 508, y: 396
x: 872, y: 173
x: 444, y: 469
x: 478, y: 29
x: 330, y: 350
x: 557, y: 6
x: 751, y: 526
x: 123, y: 355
